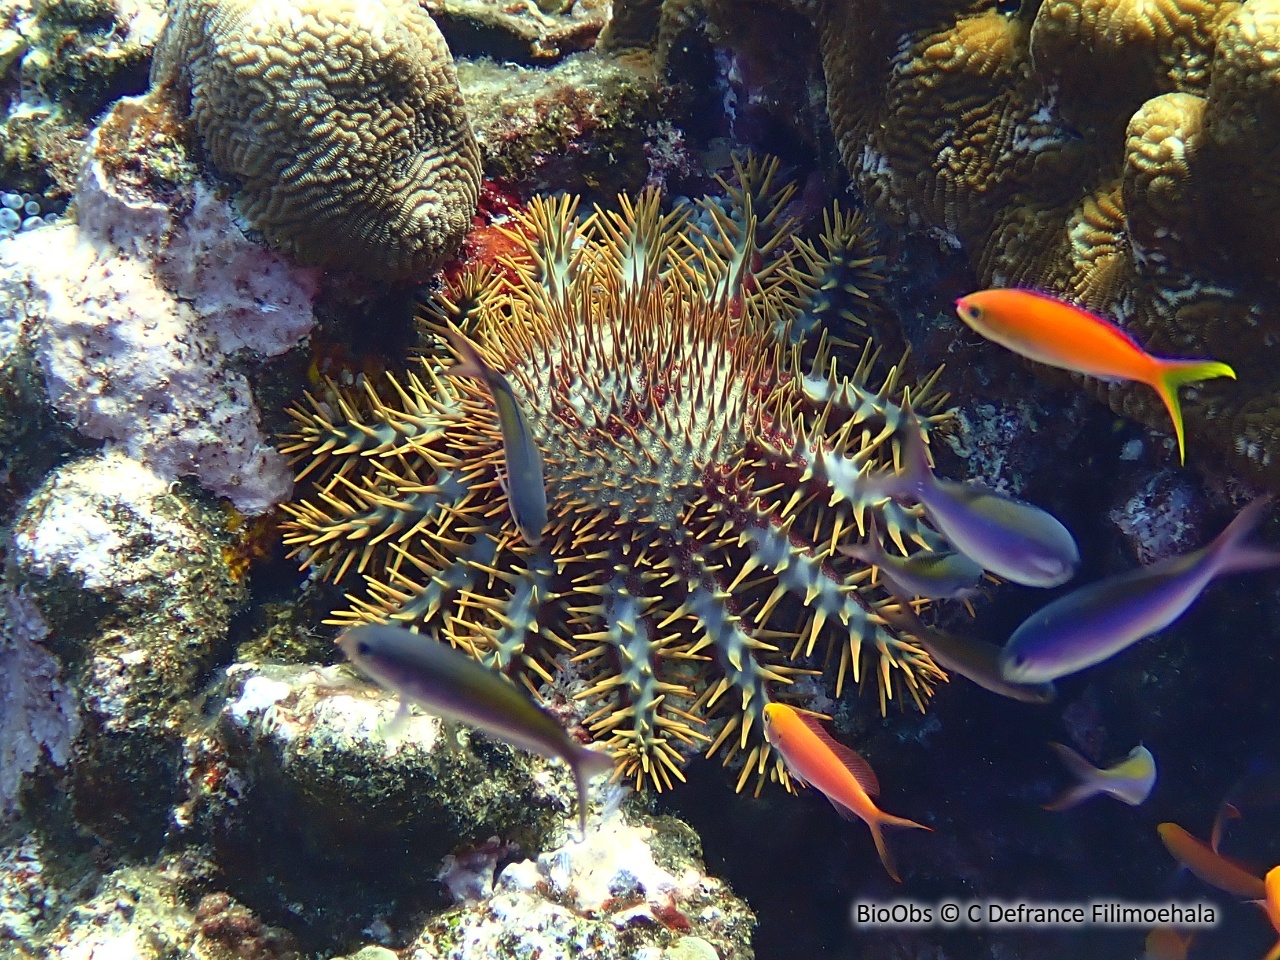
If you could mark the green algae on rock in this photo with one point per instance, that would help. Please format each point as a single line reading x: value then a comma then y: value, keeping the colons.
x: 340, y: 123
x: 128, y: 576
x: 596, y: 109
x: 294, y: 760
x: 311, y: 737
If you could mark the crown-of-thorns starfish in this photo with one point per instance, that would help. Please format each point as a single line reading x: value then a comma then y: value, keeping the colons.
x: 703, y: 464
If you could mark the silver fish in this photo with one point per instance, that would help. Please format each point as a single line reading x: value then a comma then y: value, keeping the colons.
x: 524, y: 484
x: 1096, y: 622
x: 451, y: 685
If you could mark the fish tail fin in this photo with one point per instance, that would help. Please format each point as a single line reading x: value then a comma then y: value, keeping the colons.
x: 877, y: 826
x: 1244, y: 559
x: 586, y: 764
x: 1231, y: 554
x: 916, y: 469
x: 1071, y: 797
x: 872, y: 550
x: 1171, y: 375
x: 1082, y: 770
x: 1227, y: 811
x: 470, y: 363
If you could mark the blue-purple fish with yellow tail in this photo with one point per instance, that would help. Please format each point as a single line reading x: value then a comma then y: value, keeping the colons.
x: 450, y: 684
x: 1010, y: 538
x: 524, y: 483
x: 1096, y: 622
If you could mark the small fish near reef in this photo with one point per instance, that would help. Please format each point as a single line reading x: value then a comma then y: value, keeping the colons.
x: 936, y: 575
x: 1011, y: 539
x: 525, y: 486
x: 1057, y: 334
x: 1130, y: 780
x: 814, y: 757
x: 1210, y: 866
x: 976, y: 660
x: 1094, y: 623
x: 450, y: 684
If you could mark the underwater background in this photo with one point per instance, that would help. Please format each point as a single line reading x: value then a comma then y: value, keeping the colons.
x: 709, y: 252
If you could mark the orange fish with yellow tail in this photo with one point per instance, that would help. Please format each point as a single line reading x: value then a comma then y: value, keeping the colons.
x: 814, y: 757
x: 1060, y: 335
x: 1271, y: 906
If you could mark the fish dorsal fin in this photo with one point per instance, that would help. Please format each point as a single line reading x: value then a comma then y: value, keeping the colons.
x: 860, y: 769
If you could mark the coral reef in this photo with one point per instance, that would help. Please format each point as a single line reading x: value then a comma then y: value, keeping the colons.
x: 68, y: 59
x: 340, y: 122
x: 526, y: 34
x: 626, y: 890
x: 702, y: 472
x: 580, y: 125
x: 129, y: 319
x: 38, y: 882
x: 40, y: 719
x: 1122, y: 155
x: 1162, y: 518
x: 125, y: 582
x: 136, y: 912
x: 301, y: 745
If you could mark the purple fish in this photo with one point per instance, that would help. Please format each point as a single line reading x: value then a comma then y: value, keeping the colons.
x: 1010, y: 538
x: 1095, y: 622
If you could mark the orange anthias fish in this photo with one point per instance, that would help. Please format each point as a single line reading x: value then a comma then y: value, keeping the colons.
x: 1211, y: 867
x: 814, y: 757
x: 1271, y: 906
x: 1052, y: 332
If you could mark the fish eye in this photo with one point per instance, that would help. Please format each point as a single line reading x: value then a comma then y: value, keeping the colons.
x: 973, y: 311
x: 363, y: 648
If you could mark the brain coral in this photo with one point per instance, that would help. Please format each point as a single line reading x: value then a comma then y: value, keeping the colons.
x: 703, y: 468
x: 1124, y: 154
x: 340, y: 120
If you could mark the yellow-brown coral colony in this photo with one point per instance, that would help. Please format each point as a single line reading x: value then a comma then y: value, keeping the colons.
x: 704, y: 462
x: 341, y: 124
x: 1122, y: 154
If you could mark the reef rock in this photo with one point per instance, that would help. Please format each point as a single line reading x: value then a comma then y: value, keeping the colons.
x: 125, y: 581
x: 341, y: 123
x: 588, y: 122
x: 39, y: 720
x: 131, y: 316
x: 297, y: 760
x: 626, y: 890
